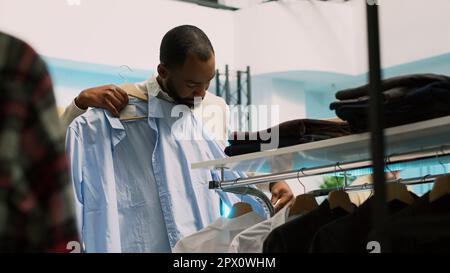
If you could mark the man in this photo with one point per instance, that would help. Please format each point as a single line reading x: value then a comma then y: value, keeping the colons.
x: 36, y: 207
x: 178, y: 85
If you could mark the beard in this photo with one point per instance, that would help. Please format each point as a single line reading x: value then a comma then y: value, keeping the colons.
x: 171, y: 90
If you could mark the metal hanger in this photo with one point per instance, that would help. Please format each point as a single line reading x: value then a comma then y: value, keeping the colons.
x: 133, y: 92
x: 130, y: 88
x: 340, y: 198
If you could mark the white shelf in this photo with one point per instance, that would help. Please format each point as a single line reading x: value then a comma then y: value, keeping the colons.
x: 401, y: 139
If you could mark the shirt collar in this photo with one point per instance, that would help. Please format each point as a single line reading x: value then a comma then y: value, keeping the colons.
x: 152, y: 88
x: 116, y: 127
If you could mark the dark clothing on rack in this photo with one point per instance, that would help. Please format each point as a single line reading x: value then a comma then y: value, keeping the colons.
x: 255, y: 146
x: 288, y: 133
x: 294, y: 129
x: 389, y: 96
x: 349, y: 234
x: 297, y: 234
x: 420, y: 228
x: 406, y: 83
x: 430, y: 101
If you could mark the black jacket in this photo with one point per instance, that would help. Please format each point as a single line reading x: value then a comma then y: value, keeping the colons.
x: 349, y: 234
x: 423, y: 227
x: 296, y: 235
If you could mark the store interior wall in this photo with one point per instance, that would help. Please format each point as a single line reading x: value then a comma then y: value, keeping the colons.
x: 321, y: 46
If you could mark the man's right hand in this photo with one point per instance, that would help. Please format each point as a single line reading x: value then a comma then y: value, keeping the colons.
x: 110, y: 97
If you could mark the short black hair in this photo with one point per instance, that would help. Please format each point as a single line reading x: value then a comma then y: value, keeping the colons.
x: 183, y: 39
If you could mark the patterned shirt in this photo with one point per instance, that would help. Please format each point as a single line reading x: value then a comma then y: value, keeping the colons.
x: 36, y: 204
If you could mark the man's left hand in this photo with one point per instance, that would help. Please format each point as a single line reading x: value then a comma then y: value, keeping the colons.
x: 281, y: 195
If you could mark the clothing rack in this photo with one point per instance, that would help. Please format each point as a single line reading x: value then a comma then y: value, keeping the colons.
x: 306, y: 172
x: 376, y: 159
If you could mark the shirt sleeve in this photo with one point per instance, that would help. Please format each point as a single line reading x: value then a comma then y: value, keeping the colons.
x: 72, y: 112
x: 74, y: 152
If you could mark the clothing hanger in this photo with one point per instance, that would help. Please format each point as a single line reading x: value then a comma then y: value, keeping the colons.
x: 130, y: 88
x: 339, y: 198
x: 397, y: 190
x: 240, y: 208
x: 441, y: 185
x: 303, y: 203
x: 132, y: 91
x: 440, y: 188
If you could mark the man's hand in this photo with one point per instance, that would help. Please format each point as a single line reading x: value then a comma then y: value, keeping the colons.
x: 281, y: 195
x: 109, y: 97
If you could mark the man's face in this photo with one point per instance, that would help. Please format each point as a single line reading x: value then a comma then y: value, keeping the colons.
x: 190, y: 80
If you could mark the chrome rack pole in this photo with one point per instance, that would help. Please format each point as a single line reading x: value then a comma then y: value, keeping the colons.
x: 409, y: 182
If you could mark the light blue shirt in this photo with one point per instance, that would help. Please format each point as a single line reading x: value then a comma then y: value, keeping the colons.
x: 133, y: 183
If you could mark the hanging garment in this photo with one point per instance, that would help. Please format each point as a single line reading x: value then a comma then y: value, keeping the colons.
x: 349, y: 234
x: 297, y: 235
x: 404, y: 83
x: 133, y: 181
x: 252, y: 239
x: 217, y: 237
x: 423, y: 227
x: 286, y: 134
x: 427, y: 102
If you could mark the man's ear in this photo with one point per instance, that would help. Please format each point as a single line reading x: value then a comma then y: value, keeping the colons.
x: 163, y: 72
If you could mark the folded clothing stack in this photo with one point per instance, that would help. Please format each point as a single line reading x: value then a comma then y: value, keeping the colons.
x: 406, y: 99
x: 285, y: 134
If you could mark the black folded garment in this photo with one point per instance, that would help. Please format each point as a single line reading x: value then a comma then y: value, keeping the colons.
x: 430, y: 101
x: 404, y: 84
x: 288, y: 133
x: 257, y: 146
x: 389, y: 96
x: 293, y: 129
